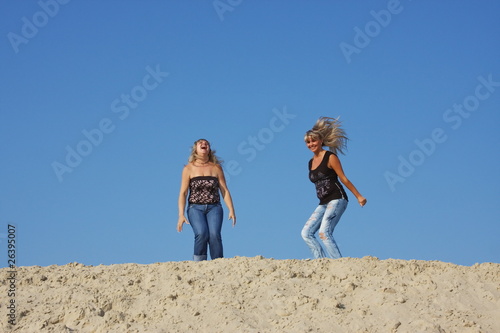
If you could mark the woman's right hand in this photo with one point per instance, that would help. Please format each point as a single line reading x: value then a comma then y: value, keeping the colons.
x: 180, y: 222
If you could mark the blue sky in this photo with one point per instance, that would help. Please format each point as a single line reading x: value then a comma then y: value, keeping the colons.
x: 102, y: 100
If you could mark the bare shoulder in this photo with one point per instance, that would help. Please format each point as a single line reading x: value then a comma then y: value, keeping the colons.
x: 218, y: 169
x: 188, y: 168
x: 333, y: 161
x: 333, y: 157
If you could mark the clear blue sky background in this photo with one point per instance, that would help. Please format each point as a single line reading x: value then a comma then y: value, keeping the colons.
x: 416, y: 83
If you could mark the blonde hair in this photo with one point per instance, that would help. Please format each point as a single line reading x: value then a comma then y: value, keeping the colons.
x: 329, y: 131
x: 211, y: 154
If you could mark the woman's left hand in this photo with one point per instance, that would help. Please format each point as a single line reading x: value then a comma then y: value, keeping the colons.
x: 232, y: 217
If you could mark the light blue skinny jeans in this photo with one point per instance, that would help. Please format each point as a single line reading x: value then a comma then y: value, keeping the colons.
x: 324, y: 218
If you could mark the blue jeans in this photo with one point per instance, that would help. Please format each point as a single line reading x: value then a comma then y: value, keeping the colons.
x: 324, y: 218
x: 206, y: 221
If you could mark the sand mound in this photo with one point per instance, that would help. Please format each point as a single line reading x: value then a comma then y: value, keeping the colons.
x: 255, y: 295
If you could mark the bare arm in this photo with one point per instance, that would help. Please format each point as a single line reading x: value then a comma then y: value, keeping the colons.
x: 334, y: 163
x: 182, y: 198
x: 225, y: 194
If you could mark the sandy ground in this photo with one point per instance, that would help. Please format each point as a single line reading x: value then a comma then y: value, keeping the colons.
x: 254, y: 295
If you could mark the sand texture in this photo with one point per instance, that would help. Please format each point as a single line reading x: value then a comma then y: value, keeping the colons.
x: 256, y: 295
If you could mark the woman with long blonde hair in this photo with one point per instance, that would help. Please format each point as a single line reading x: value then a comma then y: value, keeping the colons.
x: 325, y: 170
x: 203, y: 178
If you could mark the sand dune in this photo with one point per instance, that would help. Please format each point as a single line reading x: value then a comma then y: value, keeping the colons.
x: 255, y: 295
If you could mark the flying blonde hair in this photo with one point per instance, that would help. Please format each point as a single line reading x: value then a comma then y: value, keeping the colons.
x: 329, y: 131
x: 211, y: 155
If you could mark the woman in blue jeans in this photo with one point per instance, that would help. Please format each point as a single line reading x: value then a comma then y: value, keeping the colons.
x: 203, y: 178
x: 325, y: 170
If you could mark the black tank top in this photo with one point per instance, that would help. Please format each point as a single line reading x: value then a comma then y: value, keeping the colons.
x: 204, y: 190
x: 327, y: 183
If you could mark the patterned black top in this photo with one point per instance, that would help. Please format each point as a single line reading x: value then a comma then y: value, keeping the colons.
x: 327, y: 183
x: 204, y: 190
